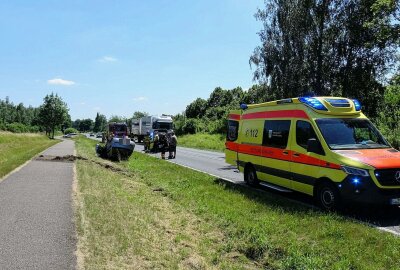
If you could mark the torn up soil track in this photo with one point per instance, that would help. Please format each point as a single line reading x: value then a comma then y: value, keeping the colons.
x: 72, y: 158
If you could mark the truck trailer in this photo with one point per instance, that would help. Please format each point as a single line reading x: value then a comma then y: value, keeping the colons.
x: 146, y: 126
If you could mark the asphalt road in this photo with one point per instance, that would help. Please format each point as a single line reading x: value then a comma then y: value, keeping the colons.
x: 37, y: 230
x: 385, y: 218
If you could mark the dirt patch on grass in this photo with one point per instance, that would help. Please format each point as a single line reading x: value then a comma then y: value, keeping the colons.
x: 72, y: 158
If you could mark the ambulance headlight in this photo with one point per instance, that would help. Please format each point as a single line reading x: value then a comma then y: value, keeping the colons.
x: 354, y: 171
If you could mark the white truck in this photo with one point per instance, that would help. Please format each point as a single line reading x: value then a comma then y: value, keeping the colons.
x: 146, y: 126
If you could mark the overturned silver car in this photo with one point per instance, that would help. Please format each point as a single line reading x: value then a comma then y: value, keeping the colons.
x: 118, y: 146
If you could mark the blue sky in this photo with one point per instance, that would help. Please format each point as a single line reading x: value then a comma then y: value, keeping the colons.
x: 117, y: 57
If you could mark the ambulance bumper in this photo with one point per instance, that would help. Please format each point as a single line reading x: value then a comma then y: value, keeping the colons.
x: 364, y: 190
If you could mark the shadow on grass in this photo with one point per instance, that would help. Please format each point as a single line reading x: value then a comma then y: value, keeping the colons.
x: 297, y: 203
x: 294, y: 202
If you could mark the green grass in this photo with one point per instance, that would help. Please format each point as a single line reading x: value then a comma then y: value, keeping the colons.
x: 17, y: 148
x: 161, y: 215
x: 203, y: 141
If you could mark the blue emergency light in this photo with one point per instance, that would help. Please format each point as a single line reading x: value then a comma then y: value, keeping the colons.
x: 313, y: 103
x: 357, y: 105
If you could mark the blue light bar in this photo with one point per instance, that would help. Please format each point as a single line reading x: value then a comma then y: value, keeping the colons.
x: 243, y: 106
x: 357, y: 105
x: 313, y: 103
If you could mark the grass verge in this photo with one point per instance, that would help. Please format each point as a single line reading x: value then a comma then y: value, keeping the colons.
x: 160, y: 215
x: 17, y: 148
x: 214, y: 142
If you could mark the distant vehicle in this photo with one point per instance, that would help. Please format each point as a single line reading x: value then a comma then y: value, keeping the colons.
x: 146, y: 126
x: 91, y: 134
x: 69, y: 135
x: 99, y: 135
x: 118, y: 145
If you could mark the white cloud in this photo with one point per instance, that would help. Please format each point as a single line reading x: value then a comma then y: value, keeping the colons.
x: 59, y: 81
x: 105, y: 59
x: 140, y: 99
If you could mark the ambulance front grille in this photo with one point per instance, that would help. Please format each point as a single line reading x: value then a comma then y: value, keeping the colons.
x: 388, y: 177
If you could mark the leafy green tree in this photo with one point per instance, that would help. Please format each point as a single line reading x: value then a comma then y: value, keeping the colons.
x: 137, y: 115
x: 389, y: 115
x: 86, y: 125
x: 117, y: 119
x: 53, y: 113
x: 76, y: 124
x: 218, y: 97
x: 331, y: 47
x: 100, y: 122
x: 196, y: 109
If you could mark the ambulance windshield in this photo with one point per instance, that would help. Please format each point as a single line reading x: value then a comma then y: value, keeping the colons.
x: 350, y: 133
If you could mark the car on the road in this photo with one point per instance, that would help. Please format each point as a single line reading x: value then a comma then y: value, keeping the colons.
x: 91, y: 134
x: 69, y: 135
x: 99, y: 135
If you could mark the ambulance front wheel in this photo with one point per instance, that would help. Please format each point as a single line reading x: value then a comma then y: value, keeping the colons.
x: 250, y: 176
x: 327, y: 197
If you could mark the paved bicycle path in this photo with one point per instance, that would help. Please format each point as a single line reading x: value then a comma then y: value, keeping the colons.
x: 37, y: 230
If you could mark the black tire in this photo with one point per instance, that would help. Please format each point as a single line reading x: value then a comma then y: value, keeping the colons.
x: 327, y: 197
x: 118, y: 156
x: 250, y: 176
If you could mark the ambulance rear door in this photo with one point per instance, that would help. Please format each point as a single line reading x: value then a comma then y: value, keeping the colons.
x: 231, y: 146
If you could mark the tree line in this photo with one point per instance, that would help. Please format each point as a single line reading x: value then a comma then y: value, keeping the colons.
x: 343, y: 48
x: 50, y: 116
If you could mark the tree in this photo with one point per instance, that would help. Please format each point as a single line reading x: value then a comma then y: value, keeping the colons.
x: 137, y: 115
x: 52, y: 113
x: 389, y: 116
x: 86, y: 125
x: 337, y: 47
x: 117, y: 119
x: 100, y: 122
x: 196, y: 109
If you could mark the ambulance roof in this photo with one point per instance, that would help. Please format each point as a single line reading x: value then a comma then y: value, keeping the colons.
x: 321, y: 105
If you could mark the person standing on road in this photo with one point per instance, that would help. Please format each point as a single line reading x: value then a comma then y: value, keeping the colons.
x: 163, y: 144
x: 155, y: 142
x: 173, y: 141
x: 147, y: 142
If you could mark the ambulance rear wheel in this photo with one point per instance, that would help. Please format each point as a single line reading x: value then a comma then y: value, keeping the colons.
x: 327, y: 197
x: 250, y: 176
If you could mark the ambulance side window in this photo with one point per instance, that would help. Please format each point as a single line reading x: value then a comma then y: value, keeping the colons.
x: 233, y: 128
x: 304, y: 131
x: 276, y: 133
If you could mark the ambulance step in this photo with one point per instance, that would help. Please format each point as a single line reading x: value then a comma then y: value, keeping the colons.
x: 278, y: 188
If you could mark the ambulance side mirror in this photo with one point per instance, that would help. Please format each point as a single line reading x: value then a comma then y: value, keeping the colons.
x: 314, y: 146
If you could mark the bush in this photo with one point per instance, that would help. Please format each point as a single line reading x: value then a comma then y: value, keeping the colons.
x: 70, y: 130
x: 19, y: 128
x: 190, y: 126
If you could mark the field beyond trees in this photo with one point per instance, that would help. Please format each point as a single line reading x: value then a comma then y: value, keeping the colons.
x: 16, y: 149
x: 147, y: 213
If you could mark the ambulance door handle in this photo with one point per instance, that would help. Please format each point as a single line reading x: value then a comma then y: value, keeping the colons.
x: 285, y: 152
x: 296, y: 154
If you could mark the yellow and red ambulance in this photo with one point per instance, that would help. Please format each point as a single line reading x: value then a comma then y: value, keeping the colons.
x: 321, y: 146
